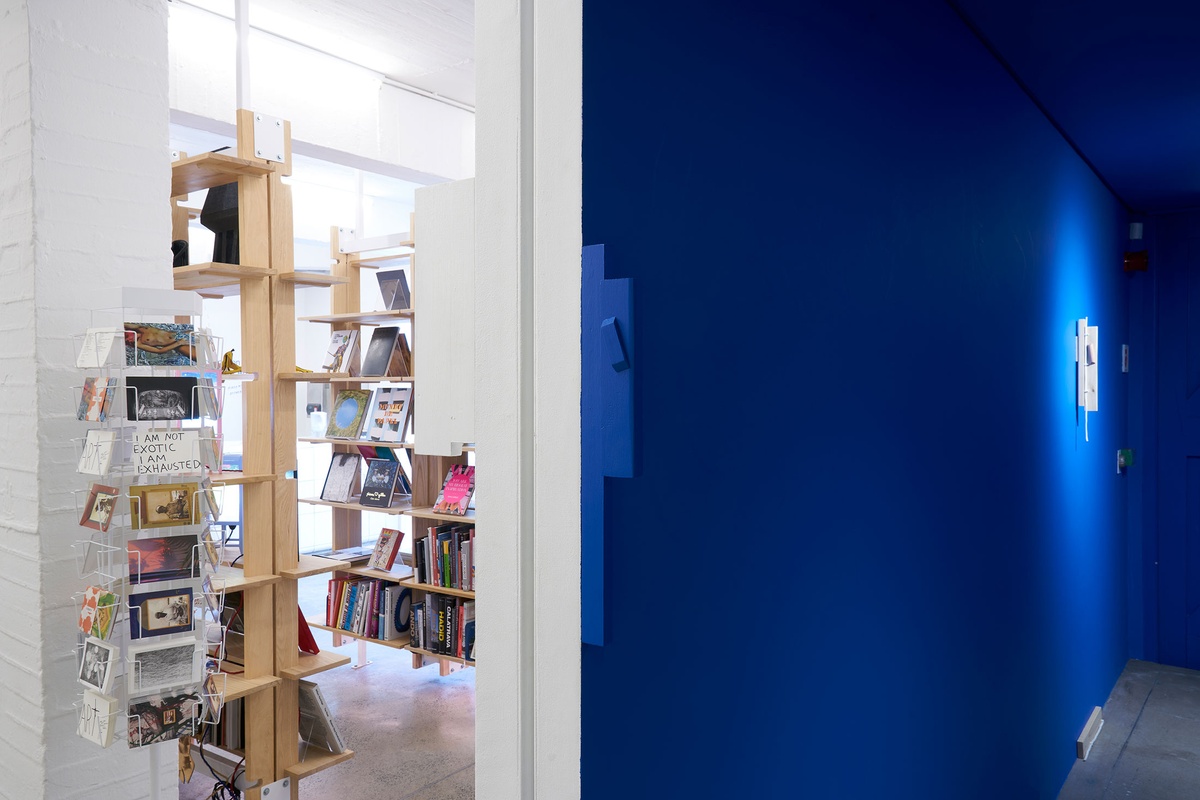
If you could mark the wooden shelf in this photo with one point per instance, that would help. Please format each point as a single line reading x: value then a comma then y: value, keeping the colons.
x: 213, y: 279
x: 237, y: 478
x: 375, y: 262
x: 363, y: 317
x: 367, y: 442
x: 395, y: 644
x: 440, y: 657
x: 398, y: 573
x: 429, y: 587
x: 340, y: 377
x: 427, y: 513
x: 309, y: 664
x: 211, y: 169
x: 314, y: 763
x: 312, y: 565
x: 397, y: 508
x: 236, y: 580
x: 312, y: 278
x: 239, y: 685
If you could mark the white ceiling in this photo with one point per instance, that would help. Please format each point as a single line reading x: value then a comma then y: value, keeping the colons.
x: 429, y: 44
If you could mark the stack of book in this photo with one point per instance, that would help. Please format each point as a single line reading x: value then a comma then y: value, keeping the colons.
x: 445, y: 556
x: 365, y: 607
x: 444, y: 625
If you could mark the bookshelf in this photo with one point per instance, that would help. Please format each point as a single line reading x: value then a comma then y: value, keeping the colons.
x: 265, y: 282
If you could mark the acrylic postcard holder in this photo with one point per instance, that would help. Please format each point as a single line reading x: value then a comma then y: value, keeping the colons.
x: 99, y: 560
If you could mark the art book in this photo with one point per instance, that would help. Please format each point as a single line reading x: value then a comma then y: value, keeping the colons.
x: 97, y: 612
x: 97, y: 716
x: 386, y: 549
x: 342, y: 355
x: 97, y: 348
x: 174, y: 452
x: 152, y: 399
x: 457, y: 491
x: 379, y: 483
x: 387, y: 354
x: 160, y: 344
x: 339, y: 481
x: 393, y: 285
x: 97, y: 452
x: 161, y: 718
x: 164, y: 505
x: 164, y: 558
x: 393, y: 411
x: 316, y: 723
x: 98, y: 510
x: 97, y: 397
x: 349, y: 410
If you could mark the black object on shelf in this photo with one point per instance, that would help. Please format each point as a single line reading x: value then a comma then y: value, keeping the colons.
x: 179, y: 252
x: 220, y: 215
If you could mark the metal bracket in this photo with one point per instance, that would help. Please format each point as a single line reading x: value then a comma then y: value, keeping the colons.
x: 281, y: 789
x: 269, y: 140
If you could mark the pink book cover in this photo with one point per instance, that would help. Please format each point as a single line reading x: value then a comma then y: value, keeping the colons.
x: 457, y: 489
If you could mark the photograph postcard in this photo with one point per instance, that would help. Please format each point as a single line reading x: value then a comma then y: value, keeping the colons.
x: 97, y: 452
x: 98, y: 664
x: 161, y: 718
x: 155, y: 399
x: 164, y: 505
x: 154, y: 666
x: 97, y: 611
x: 98, y: 510
x: 166, y: 558
x: 97, y: 397
x: 159, y: 344
x: 173, y: 452
x: 160, y: 613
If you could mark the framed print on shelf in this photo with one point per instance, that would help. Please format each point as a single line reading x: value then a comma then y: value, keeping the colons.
x: 98, y: 664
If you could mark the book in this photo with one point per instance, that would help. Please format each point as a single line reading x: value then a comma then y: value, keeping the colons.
x: 349, y: 410
x: 339, y: 481
x: 342, y: 355
x: 97, y: 453
x: 458, y: 488
x: 395, y: 412
x: 384, y: 356
x: 161, y: 718
x: 98, y: 664
x: 97, y: 612
x: 160, y: 613
x: 174, y: 452
x: 97, y: 716
x: 316, y: 722
x: 96, y: 399
x: 393, y: 285
x: 164, y: 505
x: 98, y: 509
x: 387, y: 547
x: 379, y: 483
x: 160, y: 344
x: 97, y: 348
x: 160, y: 665
x: 151, y: 399
x: 355, y: 555
x: 164, y: 558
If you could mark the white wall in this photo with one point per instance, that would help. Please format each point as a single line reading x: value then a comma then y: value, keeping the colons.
x: 330, y: 103
x: 84, y: 177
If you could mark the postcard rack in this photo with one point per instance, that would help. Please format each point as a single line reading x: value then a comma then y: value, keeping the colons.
x: 150, y: 451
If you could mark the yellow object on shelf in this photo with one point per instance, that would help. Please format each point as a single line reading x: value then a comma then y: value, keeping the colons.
x: 228, y: 365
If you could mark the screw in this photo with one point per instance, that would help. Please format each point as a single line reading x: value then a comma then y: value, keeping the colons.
x: 258, y: 117
x: 259, y: 152
x: 278, y: 123
x: 279, y: 157
x: 266, y: 792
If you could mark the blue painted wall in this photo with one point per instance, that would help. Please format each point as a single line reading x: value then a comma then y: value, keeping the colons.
x: 870, y: 553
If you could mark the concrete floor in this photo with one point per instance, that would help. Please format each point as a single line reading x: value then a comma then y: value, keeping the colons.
x: 1149, y: 747
x: 412, y: 732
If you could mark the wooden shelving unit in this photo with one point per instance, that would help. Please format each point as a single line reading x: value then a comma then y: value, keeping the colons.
x: 401, y: 507
x: 213, y: 169
x: 362, y: 317
x: 312, y: 764
x: 358, y: 442
x: 338, y: 377
x: 308, y: 664
x: 307, y: 566
x: 429, y: 513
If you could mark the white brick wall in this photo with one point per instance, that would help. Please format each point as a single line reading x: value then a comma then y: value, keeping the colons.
x: 84, y: 180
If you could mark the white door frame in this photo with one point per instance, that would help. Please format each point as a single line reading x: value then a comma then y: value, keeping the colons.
x: 528, y: 236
